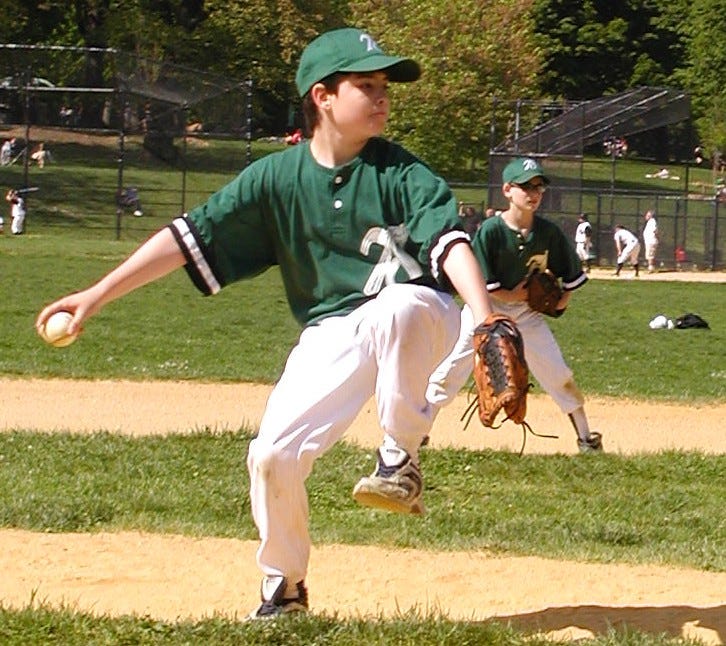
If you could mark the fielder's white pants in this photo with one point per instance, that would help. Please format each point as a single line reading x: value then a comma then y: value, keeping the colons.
x: 650, y: 250
x: 541, y: 351
x: 387, y: 347
x: 629, y: 252
x: 583, y: 251
x: 18, y: 222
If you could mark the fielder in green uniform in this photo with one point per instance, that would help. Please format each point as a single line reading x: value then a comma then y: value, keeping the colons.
x: 508, y: 247
x: 369, y: 245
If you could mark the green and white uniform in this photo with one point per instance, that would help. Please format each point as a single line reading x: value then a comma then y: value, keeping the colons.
x: 506, y: 257
x: 360, y: 249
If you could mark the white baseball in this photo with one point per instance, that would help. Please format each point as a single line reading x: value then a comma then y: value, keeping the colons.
x: 55, y: 330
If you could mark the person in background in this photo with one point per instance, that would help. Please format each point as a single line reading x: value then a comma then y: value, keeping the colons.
x: 17, y: 212
x: 650, y: 238
x: 41, y: 156
x: 508, y: 248
x: 627, y: 248
x: 583, y: 240
x: 6, y: 152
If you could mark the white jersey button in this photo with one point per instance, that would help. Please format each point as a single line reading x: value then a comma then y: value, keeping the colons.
x: 337, y: 204
x: 338, y: 179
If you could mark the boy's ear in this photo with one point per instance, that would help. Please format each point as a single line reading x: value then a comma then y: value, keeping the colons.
x: 320, y: 95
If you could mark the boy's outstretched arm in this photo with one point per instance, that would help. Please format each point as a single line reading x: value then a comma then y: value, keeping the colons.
x: 157, y: 257
x: 465, y: 275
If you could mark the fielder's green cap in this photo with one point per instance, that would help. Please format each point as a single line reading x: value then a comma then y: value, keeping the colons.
x: 349, y: 50
x: 521, y: 170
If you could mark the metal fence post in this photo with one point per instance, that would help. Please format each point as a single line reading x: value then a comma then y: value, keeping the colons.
x: 714, y: 252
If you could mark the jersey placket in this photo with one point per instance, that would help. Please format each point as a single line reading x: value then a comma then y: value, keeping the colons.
x: 341, y: 202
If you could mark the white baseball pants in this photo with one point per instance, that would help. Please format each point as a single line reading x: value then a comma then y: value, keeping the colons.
x: 629, y: 252
x: 387, y: 347
x: 541, y: 351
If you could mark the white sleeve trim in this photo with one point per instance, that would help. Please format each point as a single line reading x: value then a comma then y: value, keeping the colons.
x: 442, y: 246
x: 196, y: 256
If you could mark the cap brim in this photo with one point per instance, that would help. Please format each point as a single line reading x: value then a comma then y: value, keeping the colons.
x: 528, y: 175
x: 399, y: 70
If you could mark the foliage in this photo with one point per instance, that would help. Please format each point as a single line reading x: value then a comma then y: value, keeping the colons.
x: 703, y: 74
x: 263, y: 41
x: 594, y: 48
x: 480, y: 50
x: 511, y: 49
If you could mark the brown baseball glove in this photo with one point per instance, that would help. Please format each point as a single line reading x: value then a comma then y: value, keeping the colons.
x: 543, y: 292
x: 500, y: 370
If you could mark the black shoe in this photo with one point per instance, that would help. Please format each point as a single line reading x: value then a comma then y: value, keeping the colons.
x: 274, y: 603
x: 593, y: 444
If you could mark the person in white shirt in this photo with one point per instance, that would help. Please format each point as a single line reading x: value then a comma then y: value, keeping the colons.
x: 627, y: 247
x: 583, y: 241
x: 17, y: 212
x: 650, y: 238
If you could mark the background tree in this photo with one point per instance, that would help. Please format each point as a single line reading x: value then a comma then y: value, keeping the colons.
x: 703, y: 72
x: 510, y: 49
x: 598, y: 47
x: 263, y: 41
x: 481, y: 50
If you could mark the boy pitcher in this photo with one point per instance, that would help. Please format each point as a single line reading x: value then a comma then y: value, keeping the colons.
x: 369, y: 246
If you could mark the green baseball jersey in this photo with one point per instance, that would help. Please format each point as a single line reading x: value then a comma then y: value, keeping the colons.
x: 507, y: 256
x: 339, y: 235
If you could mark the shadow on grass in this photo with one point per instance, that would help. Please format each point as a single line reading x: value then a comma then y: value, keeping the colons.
x: 675, y: 621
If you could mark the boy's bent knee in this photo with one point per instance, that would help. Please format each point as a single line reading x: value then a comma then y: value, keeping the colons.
x: 269, y: 461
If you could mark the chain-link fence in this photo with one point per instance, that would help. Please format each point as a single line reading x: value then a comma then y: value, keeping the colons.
x: 148, y: 113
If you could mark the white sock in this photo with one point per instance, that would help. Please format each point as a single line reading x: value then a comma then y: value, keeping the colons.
x: 391, y: 453
x: 579, y: 421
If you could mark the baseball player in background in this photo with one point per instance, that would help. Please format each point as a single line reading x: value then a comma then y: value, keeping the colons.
x: 627, y: 248
x: 583, y: 240
x: 650, y: 238
x: 369, y: 245
x: 508, y: 247
x: 17, y: 212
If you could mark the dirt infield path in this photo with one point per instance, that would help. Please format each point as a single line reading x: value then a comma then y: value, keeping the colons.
x: 172, y: 576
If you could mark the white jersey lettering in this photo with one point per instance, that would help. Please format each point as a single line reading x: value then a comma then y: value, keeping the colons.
x: 393, y: 257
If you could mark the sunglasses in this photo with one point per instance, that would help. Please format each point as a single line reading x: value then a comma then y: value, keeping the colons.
x: 540, y: 187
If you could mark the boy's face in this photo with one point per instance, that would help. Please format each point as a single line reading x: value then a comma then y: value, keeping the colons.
x: 526, y: 196
x: 360, y: 107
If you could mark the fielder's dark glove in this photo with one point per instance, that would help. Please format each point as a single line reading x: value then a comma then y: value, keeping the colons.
x: 543, y: 292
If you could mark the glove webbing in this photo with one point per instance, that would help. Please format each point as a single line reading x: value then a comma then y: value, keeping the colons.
x: 472, y: 407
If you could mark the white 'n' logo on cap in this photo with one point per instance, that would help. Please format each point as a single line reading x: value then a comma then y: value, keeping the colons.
x: 529, y: 164
x: 370, y: 43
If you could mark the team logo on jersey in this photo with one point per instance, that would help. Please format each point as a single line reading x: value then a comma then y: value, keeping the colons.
x: 538, y: 261
x: 392, y: 258
x: 529, y: 164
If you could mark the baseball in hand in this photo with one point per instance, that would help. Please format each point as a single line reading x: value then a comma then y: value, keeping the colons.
x: 55, y: 330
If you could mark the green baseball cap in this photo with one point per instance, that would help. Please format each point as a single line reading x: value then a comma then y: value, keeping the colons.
x: 349, y: 50
x: 521, y: 170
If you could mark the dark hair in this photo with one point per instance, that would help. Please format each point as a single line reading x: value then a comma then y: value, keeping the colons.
x: 310, y: 110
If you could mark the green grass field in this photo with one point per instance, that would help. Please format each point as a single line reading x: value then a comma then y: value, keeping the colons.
x: 193, y: 484
x: 169, y: 331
